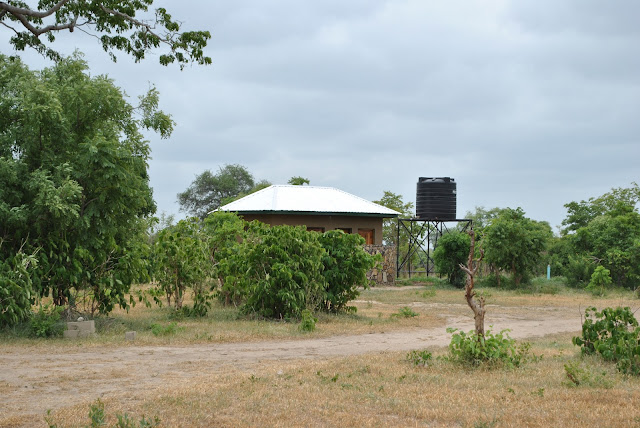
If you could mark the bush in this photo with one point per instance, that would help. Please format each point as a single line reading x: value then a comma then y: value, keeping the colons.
x: 46, y: 322
x: 419, y: 358
x: 279, y: 271
x: 600, y: 281
x: 614, y: 335
x: 405, y: 312
x: 451, y: 251
x: 345, y: 266
x: 491, y: 350
x: 16, y: 293
x: 308, y: 323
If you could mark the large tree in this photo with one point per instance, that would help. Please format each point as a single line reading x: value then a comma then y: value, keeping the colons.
x: 209, y: 191
x: 120, y: 25
x: 515, y: 243
x: 74, y: 187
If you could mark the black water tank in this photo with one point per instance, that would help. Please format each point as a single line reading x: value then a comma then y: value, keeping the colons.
x: 436, y: 198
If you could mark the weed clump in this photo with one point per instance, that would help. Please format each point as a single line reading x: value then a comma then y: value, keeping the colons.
x: 490, y: 350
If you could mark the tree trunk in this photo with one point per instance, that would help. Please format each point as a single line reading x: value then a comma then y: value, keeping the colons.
x: 475, y: 303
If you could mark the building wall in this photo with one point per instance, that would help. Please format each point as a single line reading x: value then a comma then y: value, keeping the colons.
x: 328, y: 222
x: 385, y: 273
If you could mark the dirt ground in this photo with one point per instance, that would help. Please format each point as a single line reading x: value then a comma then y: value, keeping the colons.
x: 34, y: 379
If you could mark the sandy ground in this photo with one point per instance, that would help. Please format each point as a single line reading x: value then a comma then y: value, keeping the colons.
x: 33, y: 380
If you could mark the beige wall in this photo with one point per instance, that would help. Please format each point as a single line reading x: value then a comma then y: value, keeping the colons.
x: 329, y: 222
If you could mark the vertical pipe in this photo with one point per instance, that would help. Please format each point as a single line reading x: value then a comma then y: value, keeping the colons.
x: 548, y: 272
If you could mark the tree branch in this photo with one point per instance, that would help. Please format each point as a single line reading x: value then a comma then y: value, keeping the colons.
x: 19, y: 11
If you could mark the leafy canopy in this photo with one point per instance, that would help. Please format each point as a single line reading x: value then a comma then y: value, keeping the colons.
x: 515, y: 243
x: 74, y: 187
x: 210, y: 191
x: 120, y: 25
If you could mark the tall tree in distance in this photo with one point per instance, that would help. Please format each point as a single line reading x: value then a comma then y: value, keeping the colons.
x: 209, y: 191
x: 298, y: 181
x: 116, y: 23
x: 389, y: 225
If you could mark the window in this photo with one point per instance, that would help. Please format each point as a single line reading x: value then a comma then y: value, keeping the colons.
x: 344, y: 229
x: 368, y: 235
x: 315, y: 229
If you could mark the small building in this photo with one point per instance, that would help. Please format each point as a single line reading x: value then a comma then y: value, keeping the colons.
x: 318, y: 208
x: 321, y: 209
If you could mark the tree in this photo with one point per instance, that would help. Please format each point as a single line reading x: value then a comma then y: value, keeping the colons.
x: 482, y: 217
x: 298, y: 181
x: 389, y: 225
x: 452, y: 250
x: 114, y: 22
x: 515, y: 243
x: 182, y: 260
x: 471, y: 269
x: 579, y: 214
x: 74, y: 187
x: 208, y: 191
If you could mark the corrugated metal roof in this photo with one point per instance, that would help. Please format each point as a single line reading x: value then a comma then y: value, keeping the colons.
x: 307, y: 200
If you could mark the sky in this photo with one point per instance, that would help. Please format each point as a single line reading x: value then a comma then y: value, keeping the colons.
x: 525, y: 103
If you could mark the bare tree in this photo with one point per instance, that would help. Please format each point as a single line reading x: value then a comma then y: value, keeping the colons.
x: 476, y: 303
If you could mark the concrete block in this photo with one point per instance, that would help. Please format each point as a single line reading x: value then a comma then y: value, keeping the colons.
x: 70, y: 334
x: 89, y: 326
x: 130, y: 335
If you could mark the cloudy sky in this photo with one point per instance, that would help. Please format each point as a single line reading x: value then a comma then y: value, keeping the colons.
x: 524, y: 102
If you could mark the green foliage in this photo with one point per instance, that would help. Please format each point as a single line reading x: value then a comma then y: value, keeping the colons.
x: 419, y: 358
x: 182, y: 261
x: 308, y: 322
x: 46, y: 322
x: 600, y: 281
x: 16, y: 292
x: 225, y: 232
x: 451, y: 251
x: 604, y: 231
x: 278, y: 270
x: 491, y: 350
x: 209, y: 191
x: 164, y: 330
x: 405, y: 312
x: 98, y: 418
x: 73, y: 181
x: 298, y: 181
x: 117, y: 24
x: 580, y: 214
x: 579, y: 375
x: 515, y: 243
x: 612, y: 333
x: 389, y: 225
x: 345, y: 266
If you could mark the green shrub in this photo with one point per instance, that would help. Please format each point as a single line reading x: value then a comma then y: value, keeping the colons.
x: 452, y: 249
x: 308, y: 323
x: 600, y: 281
x: 345, y: 266
x: 279, y: 270
x: 614, y: 335
x: 405, y: 312
x: 577, y: 375
x: 164, y: 330
x: 492, y: 350
x: 419, y: 358
x: 16, y: 293
x: 46, y: 322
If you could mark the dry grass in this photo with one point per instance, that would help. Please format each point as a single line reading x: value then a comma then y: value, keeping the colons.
x: 385, y: 390
x: 369, y: 390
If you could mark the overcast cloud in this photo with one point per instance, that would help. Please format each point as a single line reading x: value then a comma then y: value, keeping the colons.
x: 525, y: 103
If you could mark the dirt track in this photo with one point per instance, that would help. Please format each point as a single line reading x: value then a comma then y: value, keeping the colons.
x: 33, y: 381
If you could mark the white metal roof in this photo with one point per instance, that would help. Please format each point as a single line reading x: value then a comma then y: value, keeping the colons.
x: 307, y: 200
